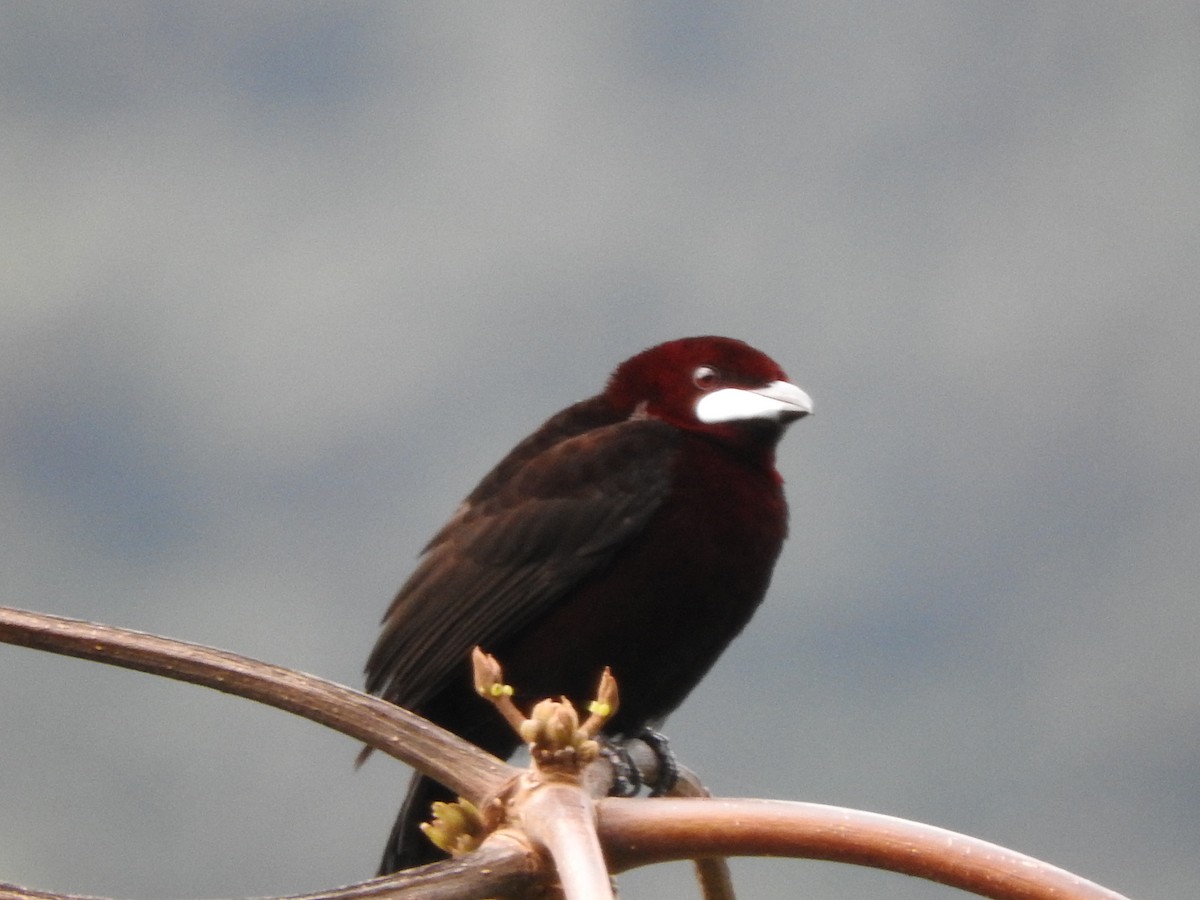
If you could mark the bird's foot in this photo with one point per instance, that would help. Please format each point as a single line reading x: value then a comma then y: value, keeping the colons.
x: 627, y: 780
x: 668, y: 765
x: 627, y: 775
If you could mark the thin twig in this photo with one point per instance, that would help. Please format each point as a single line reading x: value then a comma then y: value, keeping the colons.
x: 716, y: 881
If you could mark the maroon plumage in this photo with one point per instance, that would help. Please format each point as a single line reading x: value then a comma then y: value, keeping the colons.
x: 637, y: 529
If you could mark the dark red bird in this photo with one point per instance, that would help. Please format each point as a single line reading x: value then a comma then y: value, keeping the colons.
x: 637, y: 529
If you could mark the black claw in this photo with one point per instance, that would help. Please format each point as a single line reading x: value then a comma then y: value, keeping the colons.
x: 627, y: 780
x: 668, y: 766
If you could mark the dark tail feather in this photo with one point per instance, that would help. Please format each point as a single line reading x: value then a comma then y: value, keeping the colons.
x: 406, y: 845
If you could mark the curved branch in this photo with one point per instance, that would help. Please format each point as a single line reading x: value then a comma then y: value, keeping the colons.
x: 637, y: 833
x: 497, y: 868
x: 450, y: 760
x: 633, y: 832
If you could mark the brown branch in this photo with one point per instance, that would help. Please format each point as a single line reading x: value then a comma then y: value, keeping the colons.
x: 633, y: 832
x: 716, y: 881
x: 561, y: 819
x: 712, y: 872
x: 637, y: 833
x: 498, y: 868
x: 447, y: 758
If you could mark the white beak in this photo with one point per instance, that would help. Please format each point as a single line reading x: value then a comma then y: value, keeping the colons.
x: 779, y: 401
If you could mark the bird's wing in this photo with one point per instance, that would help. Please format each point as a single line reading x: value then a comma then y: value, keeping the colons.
x: 516, y: 547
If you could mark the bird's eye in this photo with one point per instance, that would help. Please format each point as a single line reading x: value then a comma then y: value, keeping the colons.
x: 705, y: 377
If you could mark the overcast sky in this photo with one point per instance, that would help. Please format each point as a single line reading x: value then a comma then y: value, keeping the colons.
x: 281, y: 281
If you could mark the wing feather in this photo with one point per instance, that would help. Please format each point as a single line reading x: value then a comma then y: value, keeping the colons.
x: 517, y: 546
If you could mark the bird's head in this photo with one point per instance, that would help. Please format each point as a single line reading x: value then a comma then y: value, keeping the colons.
x: 712, y: 385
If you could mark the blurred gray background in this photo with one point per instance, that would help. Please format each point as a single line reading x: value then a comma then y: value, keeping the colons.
x: 280, y: 281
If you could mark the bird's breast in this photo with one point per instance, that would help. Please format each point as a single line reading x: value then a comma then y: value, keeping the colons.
x: 672, y: 598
